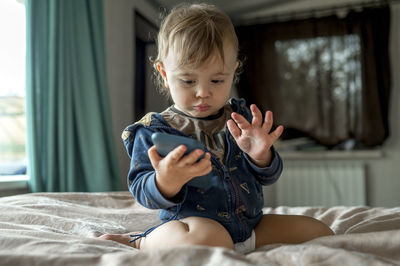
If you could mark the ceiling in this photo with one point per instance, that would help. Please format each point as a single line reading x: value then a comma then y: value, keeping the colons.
x: 253, y: 11
x: 238, y: 10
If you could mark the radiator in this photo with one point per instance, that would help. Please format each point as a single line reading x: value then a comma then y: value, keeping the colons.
x: 321, y: 183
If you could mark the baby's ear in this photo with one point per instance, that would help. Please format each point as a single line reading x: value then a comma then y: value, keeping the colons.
x: 237, y: 65
x: 161, y: 70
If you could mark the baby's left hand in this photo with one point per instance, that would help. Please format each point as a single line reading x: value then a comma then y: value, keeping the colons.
x: 255, y: 139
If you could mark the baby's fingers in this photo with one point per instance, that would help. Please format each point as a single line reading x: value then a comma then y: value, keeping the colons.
x: 176, y: 154
x: 267, y: 125
x: 204, y: 165
x: 268, y: 121
x: 154, y: 157
x: 241, y: 122
x: 235, y: 131
x: 257, y: 116
x: 276, y: 133
x: 191, y: 158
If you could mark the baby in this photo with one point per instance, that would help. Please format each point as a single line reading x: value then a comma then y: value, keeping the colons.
x: 216, y: 200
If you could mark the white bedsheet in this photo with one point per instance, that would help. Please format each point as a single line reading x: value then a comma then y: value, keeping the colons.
x: 61, y: 229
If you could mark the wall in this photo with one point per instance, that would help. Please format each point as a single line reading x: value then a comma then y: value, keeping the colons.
x: 155, y: 101
x: 384, y: 175
x: 120, y: 45
x: 383, y: 180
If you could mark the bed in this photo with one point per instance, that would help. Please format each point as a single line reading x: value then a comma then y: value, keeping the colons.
x: 61, y: 229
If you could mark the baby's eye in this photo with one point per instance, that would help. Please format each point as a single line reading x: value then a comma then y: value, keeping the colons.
x: 216, y: 81
x: 188, y: 81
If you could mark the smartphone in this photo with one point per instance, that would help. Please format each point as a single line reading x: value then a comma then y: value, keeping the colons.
x: 166, y: 142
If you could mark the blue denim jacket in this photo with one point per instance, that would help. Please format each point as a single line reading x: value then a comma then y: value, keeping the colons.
x: 230, y: 194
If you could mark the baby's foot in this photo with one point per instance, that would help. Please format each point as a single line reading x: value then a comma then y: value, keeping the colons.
x: 123, y: 239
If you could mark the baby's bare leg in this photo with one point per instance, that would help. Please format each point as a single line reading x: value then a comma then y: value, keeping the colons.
x: 188, y: 231
x: 184, y: 232
x: 289, y: 229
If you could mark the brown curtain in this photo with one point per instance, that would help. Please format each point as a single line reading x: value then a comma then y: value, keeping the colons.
x: 327, y: 78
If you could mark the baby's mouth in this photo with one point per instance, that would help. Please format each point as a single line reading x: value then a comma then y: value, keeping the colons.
x: 202, y: 107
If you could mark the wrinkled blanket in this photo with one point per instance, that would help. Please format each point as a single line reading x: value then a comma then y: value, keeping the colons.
x: 61, y: 229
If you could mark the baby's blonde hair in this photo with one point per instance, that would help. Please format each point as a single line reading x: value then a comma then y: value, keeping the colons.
x: 194, y: 32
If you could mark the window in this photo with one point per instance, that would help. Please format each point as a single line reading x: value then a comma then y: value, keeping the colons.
x: 324, y: 74
x: 327, y: 79
x: 12, y: 88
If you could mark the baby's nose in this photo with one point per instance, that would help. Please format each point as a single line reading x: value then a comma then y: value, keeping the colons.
x: 202, y: 91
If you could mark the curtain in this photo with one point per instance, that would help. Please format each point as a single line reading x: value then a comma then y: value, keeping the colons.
x: 326, y: 78
x: 70, y: 143
x: 394, y: 143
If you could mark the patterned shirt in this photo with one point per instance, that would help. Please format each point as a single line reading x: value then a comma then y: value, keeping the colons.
x: 210, y: 131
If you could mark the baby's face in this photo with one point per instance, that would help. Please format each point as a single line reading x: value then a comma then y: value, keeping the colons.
x: 200, y: 92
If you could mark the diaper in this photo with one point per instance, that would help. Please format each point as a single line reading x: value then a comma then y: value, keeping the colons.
x: 248, y: 245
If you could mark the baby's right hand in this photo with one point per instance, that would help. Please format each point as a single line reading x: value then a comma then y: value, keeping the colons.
x: 176, y: 169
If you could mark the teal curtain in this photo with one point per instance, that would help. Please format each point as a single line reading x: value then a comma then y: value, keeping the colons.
x: 70, y: 142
